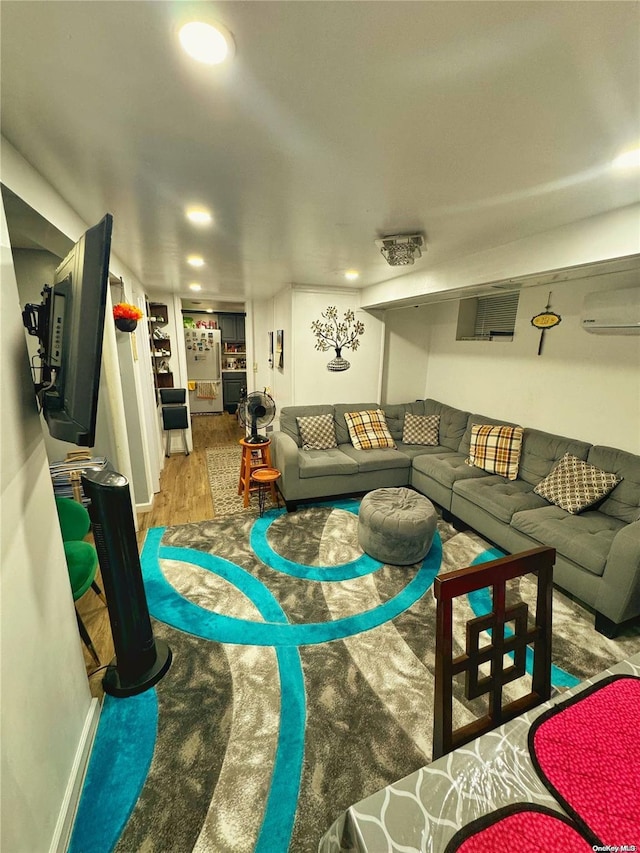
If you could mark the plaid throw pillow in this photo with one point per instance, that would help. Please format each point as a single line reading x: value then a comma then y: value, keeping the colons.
x: 421, y: 429
x: 496, y: 449
x: 368, y: 430
x: 317, y: 432
x: 574, y: 485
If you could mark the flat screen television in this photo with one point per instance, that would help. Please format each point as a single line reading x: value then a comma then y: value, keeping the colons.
x: 69, y: 323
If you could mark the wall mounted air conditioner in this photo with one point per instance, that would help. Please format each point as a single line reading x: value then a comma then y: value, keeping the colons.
x: 614, y: 312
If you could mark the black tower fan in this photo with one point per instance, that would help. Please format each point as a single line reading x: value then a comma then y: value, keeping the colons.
x: 140, y: 660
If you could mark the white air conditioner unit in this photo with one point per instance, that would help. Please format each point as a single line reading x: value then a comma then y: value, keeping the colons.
x: 614, y: 312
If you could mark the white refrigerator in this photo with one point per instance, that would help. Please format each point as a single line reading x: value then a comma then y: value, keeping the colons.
x: 204, y: 369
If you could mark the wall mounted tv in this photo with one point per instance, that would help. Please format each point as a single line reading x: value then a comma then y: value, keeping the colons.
x: 69, y: 323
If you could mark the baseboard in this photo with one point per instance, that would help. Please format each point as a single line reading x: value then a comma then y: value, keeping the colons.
x: 145, y: 507
x: 66, y: 817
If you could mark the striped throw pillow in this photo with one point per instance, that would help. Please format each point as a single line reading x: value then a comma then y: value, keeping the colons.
x: 368, y: 430
x: 317, y: 432
x: 496, y: 449
x: 421, y: 429
x: 574, y: 485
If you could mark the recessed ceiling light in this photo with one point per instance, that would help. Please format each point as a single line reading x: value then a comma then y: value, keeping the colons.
x: 195, y: 261
x: 209, y: 310
x: 199, y: 215
x: 352, y: 275
x: 195, y: 286
x: 205, y: 43
x: 627, y: 160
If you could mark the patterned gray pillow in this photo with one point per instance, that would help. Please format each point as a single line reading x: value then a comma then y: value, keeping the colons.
x: 421, y: 429
x: 574, y: 485
x: 317, y: 432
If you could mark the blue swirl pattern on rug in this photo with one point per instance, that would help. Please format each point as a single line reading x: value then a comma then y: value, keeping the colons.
x: 119, y: 764
x: 280, y: 809
x: 357, y: 568
x: 168, y: 605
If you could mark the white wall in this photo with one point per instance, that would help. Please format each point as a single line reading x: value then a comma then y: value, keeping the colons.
x: 312, y: 382
x: 406, y: 348
x: 46, y: 703
x: 283, y: 377
x: 583, y: 386
x: 262, y: 322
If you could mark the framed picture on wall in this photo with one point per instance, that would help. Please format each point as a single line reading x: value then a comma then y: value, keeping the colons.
x: 270, y: 349
x: 280, y: 348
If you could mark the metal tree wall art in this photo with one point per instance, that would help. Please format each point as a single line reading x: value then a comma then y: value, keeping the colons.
x: 339, y: 334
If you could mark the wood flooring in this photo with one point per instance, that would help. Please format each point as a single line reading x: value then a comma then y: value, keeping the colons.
x: 184, y: 497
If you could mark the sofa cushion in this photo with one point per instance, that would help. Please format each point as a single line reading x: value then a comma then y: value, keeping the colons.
x: 453, y: 423
x: 575, y: 484
x: 446, y: 468
x: 376, y: 459
x: 499, y: 497
x: 289, y: 418
x: 368, y: 430
x: 541, y: 452
x: 418, y: 449
x: 585, y: 539
x: 421, y: 429
x: 624, y: 501
x: 465, y: 441
x: 395, y: 412
x: 324, y: 463
x: 496, y: 449
x: 317, y: 432
x: 342, y: 431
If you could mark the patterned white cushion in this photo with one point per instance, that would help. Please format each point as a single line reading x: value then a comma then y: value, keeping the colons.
x: 317, y: 432
x: 368, y: 430
x: 421, y: 429
x: 496, y: 449
x: 574, y: 485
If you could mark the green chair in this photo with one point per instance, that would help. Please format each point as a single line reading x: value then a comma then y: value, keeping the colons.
x: 81, y: 556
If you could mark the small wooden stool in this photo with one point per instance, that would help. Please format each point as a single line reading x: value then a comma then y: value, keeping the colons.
x: 266, y: 480
x: 254, y: 457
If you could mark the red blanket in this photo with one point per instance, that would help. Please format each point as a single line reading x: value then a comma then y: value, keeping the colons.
x: 587, y: 753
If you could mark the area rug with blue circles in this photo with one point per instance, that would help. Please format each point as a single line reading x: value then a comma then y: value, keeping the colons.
x: 301, y: 682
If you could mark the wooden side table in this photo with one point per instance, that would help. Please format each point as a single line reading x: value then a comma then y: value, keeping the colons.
x: 266, y: 481
x: 254, y: 457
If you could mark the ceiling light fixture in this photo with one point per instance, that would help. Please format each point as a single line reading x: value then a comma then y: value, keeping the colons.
x: 352, y: 275
x: 205, y: 43
x: 195, y: 287
x: 195, y: 261
x: 627, y: 160
x: 400, y: 250
x: 199, y: 216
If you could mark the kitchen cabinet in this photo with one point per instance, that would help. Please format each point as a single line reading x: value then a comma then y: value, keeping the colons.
x: 234, y: 385
x: 232, y: 327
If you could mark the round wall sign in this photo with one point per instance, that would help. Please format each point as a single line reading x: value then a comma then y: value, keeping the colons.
x: 546, y: 320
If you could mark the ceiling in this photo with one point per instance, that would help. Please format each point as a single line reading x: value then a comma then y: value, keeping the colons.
x: 476, y: 123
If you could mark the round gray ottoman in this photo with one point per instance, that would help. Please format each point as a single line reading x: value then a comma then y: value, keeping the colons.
x: 396, y: 526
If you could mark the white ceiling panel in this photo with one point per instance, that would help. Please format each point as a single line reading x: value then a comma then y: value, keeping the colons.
x: 477, y: 123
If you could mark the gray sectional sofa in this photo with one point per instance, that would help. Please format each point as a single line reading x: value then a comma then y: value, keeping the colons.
x: 597, y: 551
